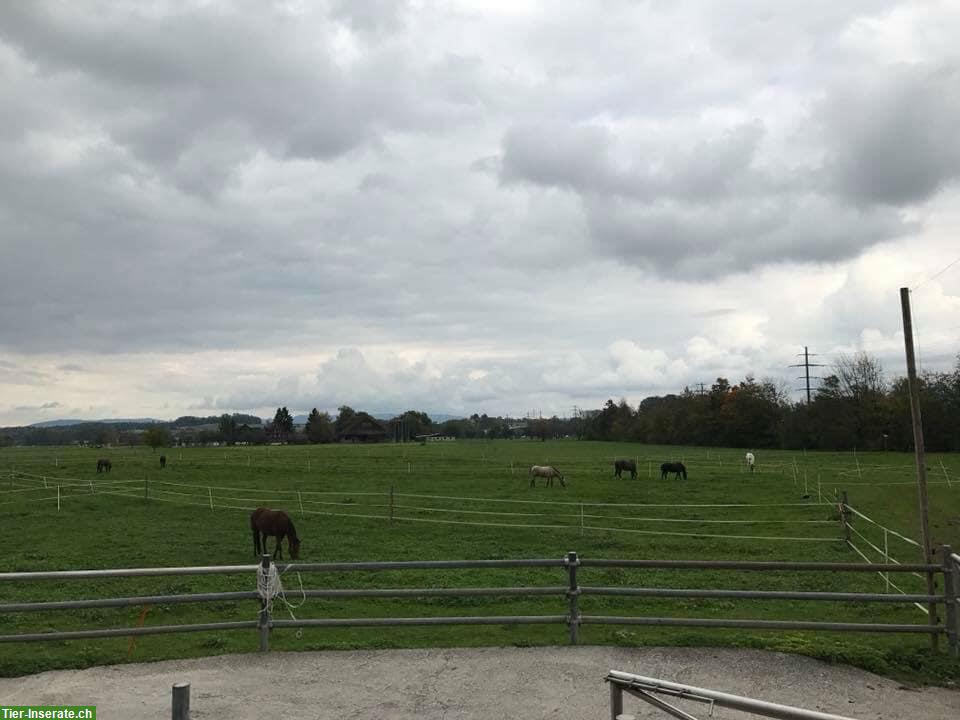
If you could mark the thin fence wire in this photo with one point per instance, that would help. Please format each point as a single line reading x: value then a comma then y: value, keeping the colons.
x: 217, y: 502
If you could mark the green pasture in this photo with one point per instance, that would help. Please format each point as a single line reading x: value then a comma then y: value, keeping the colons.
x: 463, y: 500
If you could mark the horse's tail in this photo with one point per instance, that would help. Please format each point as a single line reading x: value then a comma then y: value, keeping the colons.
x: 683, y: 469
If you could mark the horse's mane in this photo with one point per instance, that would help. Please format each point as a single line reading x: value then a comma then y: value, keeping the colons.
x: 291, y: 530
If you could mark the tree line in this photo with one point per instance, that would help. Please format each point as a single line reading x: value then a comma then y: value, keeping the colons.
x: 854, y: 407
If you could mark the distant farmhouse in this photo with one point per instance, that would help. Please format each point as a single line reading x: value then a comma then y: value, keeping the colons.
x: 363, y: 428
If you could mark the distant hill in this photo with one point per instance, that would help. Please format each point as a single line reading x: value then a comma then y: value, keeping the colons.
x: 436, y: 417
x: 109, y: 421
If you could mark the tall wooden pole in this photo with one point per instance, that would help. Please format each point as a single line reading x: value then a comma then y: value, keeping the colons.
x: 918, y: 449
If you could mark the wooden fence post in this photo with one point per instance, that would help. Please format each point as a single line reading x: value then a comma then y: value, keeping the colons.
x: 263, y: 617
x: 950, y: 582
x: 181, y: 701
x: 573, y: 595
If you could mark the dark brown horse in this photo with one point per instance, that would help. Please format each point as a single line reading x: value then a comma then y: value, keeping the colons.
x: 629, y: 465
x: 673, y: 467
x: 104, y: 465
x: 264, y: 522
x: 163, y: 461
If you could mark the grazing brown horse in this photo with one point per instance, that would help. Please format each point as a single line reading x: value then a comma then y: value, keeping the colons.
x: 629, y: 465
x: 163, y: 461
x: 104, y: 465
x: 264, y: 522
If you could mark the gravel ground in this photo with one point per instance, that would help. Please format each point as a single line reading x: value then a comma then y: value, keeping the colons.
x: 468, y: 684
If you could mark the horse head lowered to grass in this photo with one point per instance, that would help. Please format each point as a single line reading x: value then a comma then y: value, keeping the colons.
x: 545, y: 471
x: 673, y: 467
x: 264, y: 523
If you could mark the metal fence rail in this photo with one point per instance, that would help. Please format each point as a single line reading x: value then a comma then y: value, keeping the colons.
x: 648, y: 689
x: 571, y: 592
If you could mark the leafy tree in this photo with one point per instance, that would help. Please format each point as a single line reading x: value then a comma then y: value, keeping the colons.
x: 345, y: 415
x: 157, y: 436
x: 413, y: 423
x: 283, y: 424
x: 228, y: 428
x: 319, y: 428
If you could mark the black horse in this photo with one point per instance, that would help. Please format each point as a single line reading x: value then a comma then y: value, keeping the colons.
x: 677, y: 468
x: 163, y: 461
x: 264, y: 522
x: 620, y: 465
x: 104, y: 465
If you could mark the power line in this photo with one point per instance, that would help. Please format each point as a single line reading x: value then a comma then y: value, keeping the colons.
x: 936, y: 275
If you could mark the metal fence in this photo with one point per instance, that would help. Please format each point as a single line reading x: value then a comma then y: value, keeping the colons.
x: 571, y: 591
x: 649, y: 689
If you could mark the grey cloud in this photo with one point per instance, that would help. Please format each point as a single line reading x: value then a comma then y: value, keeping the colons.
x: 588, y: 160
x: 573, y: 157
x: 277, y: 177
x: 173, y: 82
x: 33, y: 408
x: 373, y: 16
x: 704, y: 241
x: 892, y: 137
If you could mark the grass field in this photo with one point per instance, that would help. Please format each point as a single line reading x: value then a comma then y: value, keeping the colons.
x: 781, y: 512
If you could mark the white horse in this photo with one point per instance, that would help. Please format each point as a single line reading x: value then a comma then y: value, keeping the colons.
x: 750, y: 461
x: 545, y: 471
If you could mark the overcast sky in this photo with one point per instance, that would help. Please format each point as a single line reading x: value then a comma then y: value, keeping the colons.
x: 465, y: 206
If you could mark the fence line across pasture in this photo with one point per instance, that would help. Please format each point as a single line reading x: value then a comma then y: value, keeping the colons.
x: 569, y: 593
x: 215, y: 502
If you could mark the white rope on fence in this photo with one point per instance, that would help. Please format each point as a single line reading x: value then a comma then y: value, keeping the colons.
x: 472, y: 512
x: 596, y: 504
x: 884, y: 527
x: 269, y: 587
x: 886, y: 578
x: 896, y: 482
x: 455, y: 511
x: 20, y: 500
x: 706, y: 535
x: 484, y: 524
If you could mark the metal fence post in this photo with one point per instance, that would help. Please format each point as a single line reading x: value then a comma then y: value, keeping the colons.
x: 391, y: 504
x: 263, y: 617
x: 573, y: 595
x: 181, y: 701
x: 950, y: 571
x: 616, y: 701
